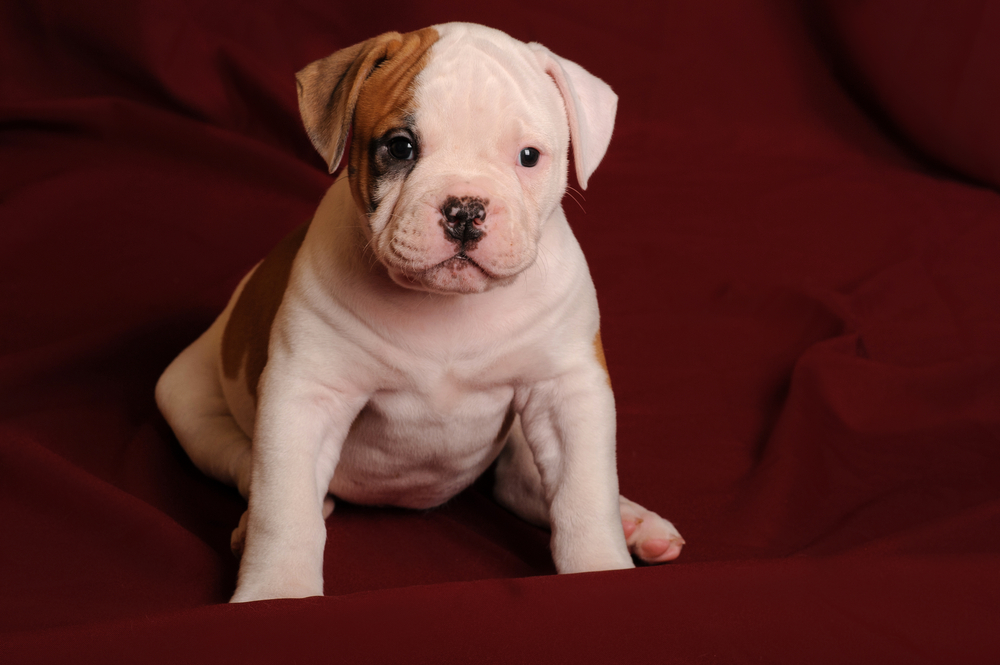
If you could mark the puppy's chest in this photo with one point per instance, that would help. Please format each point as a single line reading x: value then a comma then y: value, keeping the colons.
x: 418, y: 445
x: 454, y: 416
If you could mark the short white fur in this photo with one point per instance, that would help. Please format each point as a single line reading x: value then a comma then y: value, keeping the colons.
x: 389, y: 384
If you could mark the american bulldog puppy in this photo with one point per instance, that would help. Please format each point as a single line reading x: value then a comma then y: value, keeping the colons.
x: 434, y: 316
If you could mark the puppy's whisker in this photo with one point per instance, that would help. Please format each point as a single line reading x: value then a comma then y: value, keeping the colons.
x: 543, y: 263
x: 367, y: 249
x: 573, y: 193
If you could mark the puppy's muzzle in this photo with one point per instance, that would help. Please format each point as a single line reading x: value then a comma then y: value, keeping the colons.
x: 463, y: 219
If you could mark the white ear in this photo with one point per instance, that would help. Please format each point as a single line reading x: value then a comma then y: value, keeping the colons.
x: 590, y: 107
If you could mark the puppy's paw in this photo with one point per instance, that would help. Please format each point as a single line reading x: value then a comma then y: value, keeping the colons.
x: 650, y: 538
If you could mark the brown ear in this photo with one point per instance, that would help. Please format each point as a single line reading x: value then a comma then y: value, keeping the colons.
x: 329, y: 89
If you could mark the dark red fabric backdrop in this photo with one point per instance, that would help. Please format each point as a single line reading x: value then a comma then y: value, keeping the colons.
x: 799, y: 283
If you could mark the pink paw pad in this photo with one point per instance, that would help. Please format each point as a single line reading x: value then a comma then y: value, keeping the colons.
x: 648, y: 536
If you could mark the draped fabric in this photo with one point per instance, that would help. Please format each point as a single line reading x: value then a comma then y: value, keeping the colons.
x: 794, y: 236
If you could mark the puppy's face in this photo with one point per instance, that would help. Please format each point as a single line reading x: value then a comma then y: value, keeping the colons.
x: 460, y: 173
x: 466, y: 181
x: 458, y: 157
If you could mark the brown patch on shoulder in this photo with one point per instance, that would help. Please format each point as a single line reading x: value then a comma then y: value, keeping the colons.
x: 599, y: 353
x: 385, y: 102
x: 248, y: 331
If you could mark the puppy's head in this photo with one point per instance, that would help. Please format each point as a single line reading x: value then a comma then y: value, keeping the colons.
x: 459, y: 149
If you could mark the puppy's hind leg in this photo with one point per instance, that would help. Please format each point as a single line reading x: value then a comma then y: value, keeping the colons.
x: 650, y: 537
x: 518, y: 488
x: 190, y: 397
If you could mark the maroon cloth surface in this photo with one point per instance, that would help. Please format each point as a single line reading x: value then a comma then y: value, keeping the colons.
x: 801, y: 318
x: 931, y: 66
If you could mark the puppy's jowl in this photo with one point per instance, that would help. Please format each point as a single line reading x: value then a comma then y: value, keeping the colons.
x: 435, y: 315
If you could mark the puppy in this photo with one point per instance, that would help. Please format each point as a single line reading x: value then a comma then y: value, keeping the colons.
x: 435, y: 316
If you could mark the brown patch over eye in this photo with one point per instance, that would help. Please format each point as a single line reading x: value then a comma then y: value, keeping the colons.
x: 385, y: 104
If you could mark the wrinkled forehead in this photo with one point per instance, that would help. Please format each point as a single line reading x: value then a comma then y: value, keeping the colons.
x: 483, y: 81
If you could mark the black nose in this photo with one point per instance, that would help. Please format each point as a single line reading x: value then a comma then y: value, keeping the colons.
x: 463, y: 217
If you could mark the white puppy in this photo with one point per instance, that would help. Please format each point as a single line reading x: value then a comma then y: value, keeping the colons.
x: 435, y: 315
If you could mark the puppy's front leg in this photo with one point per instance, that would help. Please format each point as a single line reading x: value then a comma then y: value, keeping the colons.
x: 569, y: 424
x: 300, y: 430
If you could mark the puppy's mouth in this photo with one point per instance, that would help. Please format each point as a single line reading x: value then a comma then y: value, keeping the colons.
x: 459, y: 262
x: 459, y: 273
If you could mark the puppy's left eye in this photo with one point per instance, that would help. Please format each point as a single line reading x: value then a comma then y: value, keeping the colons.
x: 401, y: 148
x: 528, y: 157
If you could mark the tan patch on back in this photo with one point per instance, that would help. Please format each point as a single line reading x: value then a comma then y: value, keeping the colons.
x: 248, y: 331
x: 599, y: 353
x: 384, y: 102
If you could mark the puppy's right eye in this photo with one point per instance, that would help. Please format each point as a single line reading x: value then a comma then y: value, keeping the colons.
x: 528, y: 157
x: 401, y: 148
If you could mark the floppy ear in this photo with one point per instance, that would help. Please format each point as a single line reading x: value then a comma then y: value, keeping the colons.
x: 329, y: 89
x: 590, y: 107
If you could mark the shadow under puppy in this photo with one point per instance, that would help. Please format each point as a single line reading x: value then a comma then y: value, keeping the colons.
x: 435, y: 315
